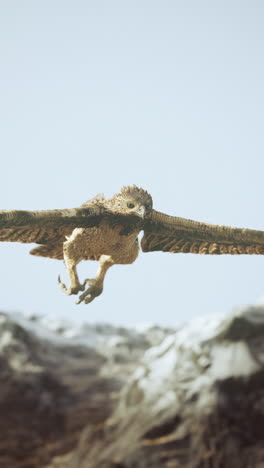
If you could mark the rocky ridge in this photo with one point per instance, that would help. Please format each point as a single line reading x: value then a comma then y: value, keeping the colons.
x: 79, y: 396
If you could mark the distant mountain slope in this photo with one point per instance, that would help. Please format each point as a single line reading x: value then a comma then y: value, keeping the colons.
x: 79, y: 396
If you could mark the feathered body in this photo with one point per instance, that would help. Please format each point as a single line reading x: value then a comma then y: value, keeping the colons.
x: 109, y: 243
x: 90, y: 244
x: 108, y: 238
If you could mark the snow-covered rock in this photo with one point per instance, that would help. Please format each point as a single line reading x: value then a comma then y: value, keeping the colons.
x: 99, y: 396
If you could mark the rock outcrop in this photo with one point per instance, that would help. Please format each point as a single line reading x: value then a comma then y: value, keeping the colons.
x: 98, y: 396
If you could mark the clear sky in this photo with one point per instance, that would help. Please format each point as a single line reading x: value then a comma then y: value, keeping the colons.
x: 164, y: 94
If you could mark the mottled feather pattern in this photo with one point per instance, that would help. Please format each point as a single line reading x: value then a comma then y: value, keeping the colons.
x: 179, y: 235
x: 38, y: 235
x: 173, y: 244
x: 55, y: 251
x: 49, y: 250
x: 138, y: 194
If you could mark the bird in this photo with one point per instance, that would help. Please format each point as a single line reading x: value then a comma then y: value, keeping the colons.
x: 107, y: 230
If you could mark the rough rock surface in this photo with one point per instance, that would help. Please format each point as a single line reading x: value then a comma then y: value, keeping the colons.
x: 79, y: 396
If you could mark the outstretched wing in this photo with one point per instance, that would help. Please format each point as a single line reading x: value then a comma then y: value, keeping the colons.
x: 45, y: 226
x: 49, y: 227
x: 180, y: 235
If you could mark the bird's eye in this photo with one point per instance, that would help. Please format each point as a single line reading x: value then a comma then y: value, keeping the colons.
x: 130, y: 205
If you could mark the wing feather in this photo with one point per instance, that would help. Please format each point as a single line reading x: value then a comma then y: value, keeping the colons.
x: 49, y: 250
x: 179, y: 235
x: 49, y: 227
x: 32, y: 234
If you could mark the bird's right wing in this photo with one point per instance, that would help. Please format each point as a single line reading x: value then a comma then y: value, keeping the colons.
x: 179, y: 235
x: 46, y: 226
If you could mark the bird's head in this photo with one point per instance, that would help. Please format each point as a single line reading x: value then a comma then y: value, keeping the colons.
x: 134, y: 200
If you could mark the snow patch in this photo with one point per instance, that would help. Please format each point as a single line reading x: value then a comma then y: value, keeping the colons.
x: 232, y: 360
x: 6, y: 339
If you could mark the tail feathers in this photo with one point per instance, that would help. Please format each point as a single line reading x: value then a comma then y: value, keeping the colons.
x: 49, y: 250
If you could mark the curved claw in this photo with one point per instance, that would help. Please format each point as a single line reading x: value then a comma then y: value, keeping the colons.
x: 62, y: 286
x: 71, y: 290
x: 95, y: 289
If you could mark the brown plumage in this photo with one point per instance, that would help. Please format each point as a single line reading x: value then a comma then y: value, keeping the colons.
x: 107, y: 230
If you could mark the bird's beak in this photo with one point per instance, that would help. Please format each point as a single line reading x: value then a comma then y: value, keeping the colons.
x: 142, y: 211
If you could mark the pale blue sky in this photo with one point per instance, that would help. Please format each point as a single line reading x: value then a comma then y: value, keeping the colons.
x: 164, y: 94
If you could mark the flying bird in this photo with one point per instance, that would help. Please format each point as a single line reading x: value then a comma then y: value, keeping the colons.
x: 107, y: 230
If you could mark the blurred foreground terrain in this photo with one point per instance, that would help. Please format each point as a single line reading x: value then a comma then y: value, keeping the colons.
x: 99, y: 396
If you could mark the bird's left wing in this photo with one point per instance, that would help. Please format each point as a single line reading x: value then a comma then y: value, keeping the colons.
x: 179, y: 235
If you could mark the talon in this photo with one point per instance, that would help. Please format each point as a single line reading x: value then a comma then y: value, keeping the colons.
x: 62, y: 285
x: 94, y: 289
x: 71, y: 290
x: 89, y: 299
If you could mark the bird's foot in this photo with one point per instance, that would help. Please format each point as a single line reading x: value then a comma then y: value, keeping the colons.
x: 95, y: 289
x: 71, y: 289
